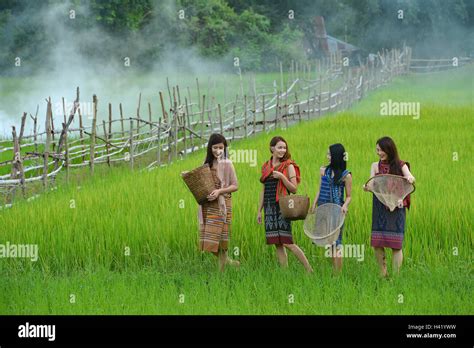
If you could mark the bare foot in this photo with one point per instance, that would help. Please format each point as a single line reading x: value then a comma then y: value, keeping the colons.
x: 231, y: 262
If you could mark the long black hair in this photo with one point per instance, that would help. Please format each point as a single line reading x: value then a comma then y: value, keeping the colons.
x: 388, y: 146
x: 338, y: 162
x: 214, y: 139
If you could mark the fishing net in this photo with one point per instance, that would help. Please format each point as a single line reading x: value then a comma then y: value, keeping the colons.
x: 390, y: 190
x: 323, y: 225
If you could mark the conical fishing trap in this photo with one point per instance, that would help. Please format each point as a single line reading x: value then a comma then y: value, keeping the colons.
x: 390, y: 189
x: 323, y: 225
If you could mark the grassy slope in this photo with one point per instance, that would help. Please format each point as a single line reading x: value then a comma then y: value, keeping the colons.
x: 82, y: 249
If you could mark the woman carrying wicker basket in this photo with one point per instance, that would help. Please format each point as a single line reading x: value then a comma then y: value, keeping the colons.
x: 215, y: 216
x: 280, y: 175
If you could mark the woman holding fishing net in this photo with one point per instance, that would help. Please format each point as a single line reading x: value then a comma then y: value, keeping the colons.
x: 335, y: 179
x: 280, y: 176
x: 215, y: 216
x: 390, y: 200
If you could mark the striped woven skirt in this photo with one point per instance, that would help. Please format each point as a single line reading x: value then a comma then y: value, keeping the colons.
x: 214, y: 234
x: 388, y: 227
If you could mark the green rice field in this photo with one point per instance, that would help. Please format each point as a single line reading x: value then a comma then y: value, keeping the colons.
x: 126, y: 242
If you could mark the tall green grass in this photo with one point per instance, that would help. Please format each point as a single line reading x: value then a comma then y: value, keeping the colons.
x: 82, y: 248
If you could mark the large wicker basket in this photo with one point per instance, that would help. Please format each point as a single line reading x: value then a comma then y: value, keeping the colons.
x: 200, y: 182
x: 294, y: 207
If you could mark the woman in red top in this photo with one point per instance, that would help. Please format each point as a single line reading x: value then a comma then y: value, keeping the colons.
x: 388, y: 227
x: 280, y: 175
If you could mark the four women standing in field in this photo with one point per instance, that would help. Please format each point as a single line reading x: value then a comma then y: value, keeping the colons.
x: 280, y: 176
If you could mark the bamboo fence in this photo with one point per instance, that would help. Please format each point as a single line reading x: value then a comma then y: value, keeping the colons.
x: 185, y: 125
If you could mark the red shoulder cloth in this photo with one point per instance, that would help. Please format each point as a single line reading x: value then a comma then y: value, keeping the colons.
x: 268, y: 168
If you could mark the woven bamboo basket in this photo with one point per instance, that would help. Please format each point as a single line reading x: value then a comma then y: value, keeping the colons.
x: 294, y: 207
x: 200, y: 182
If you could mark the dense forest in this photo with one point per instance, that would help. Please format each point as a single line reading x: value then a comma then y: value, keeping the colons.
x: 259, y: 32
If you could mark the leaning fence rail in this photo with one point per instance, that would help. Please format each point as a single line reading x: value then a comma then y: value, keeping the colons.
x: 434, y: 65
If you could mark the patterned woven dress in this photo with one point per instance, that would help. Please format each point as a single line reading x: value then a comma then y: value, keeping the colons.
x: 277, y: 228
x: 215, y: 232
x: 331, y: 192
x: 388, y: 227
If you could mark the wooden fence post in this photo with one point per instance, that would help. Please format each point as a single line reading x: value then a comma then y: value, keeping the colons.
x: 330, y: 99
x: 169, y: 91
x: 190, y: 102
x: 254, y: 114
x: 159, y: 143
x: 131, y: 142
x: 320, y: 94
x: 163, y: 112
x: 220, y: 119
x: 189, y: 123
x: 245, y: 115
x: 308, y: 114
x: 110, y: 121
x: 175, y: 116
x: 47, y: 145
x: 35, y: 131
x: 298, y: 105
x: 52, y: 127
x: 138, y: 113
x: 150, y: 119
x: 276, y: 110
x: 199, y: 94
x: 184, y: 135
x: 81, y: 136
x: 202, y: 119
x: 93, y: 133
x: 281, y: 76
x: 209, y: 112
x: 121, y: 121
x: 17, y: 164
x: 106, y: 137
x: 64, y: 131
x: 233, y: 121
x: 66, y: 152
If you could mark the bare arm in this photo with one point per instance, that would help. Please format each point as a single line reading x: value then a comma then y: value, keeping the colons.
x: 260, y: 202
x: 291, y: 184
x: 348, y: 185
x: 260, y: 206
x: 321, y: 173
x: 407, y: 174
x: 228, y: 189
x: 373, y: 171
